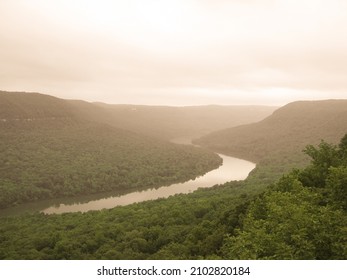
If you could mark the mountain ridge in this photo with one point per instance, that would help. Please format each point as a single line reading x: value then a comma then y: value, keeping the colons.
x: 288, y: 130
x: 49, y: 150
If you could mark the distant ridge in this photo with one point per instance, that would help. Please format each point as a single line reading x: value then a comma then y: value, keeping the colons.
x: 168, y: 122
x: 50, y: 148
x: 21, y: 105
x: 164, y: 122
x: 285, y: 133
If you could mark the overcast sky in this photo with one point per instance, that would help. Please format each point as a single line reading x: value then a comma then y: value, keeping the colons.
x: 175, y: 52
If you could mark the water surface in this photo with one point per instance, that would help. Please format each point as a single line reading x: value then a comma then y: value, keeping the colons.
x: 231, y: 169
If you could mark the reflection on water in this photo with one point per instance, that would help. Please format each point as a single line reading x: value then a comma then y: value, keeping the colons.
x: 231, y: 169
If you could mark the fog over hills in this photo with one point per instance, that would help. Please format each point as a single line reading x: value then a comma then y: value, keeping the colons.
x: 287, y: 131
x: 169, y: 122
x: 173, y: 130
x: 165, y: 122
x: 21, y: 105
x: 103, y: 143
x: 54, y: 148
x: 49, y: 149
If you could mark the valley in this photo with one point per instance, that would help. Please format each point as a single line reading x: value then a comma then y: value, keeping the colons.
x: 54, y: 149
x: 52, y: 157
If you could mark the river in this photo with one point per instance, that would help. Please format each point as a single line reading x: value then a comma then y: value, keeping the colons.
x: 231, y: 169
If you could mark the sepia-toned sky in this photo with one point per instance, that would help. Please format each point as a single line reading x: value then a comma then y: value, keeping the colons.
x: 175, y: 52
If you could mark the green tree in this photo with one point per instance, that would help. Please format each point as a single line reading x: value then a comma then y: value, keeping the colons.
x: 322, y: 158
x: 337, y: 185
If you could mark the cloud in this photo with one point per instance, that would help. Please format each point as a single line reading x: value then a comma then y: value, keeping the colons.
x: 176, y: 51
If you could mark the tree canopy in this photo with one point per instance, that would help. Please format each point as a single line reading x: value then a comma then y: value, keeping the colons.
x: 302, y: 216
x: 289, y: 220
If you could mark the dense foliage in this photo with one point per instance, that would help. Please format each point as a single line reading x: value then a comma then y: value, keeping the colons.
x: 49, y: 158
x: 180, y: 227
x: 302, y: 216
x: 54, y: 148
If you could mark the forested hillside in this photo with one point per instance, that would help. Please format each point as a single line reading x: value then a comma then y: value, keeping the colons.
x: 289, y: 128
x: 49, y: 150
x: 52, y: 148
x: 278, y: 140
x: 302, y: 216
x: 163, y: 122
x: 20, y: 107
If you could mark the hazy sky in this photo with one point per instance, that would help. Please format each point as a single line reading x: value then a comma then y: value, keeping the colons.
x: 175, y: 52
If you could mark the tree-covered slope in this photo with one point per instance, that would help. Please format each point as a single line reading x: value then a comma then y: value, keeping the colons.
x: 302, y: 216
x: 24, y: 106
x: 47, y: 149
x: 291, y: 127
x: 280, y: 138
x: 162, y: 122
x: 293, y: 219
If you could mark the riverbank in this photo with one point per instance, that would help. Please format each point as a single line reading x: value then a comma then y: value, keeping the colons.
x: 232, y: 169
